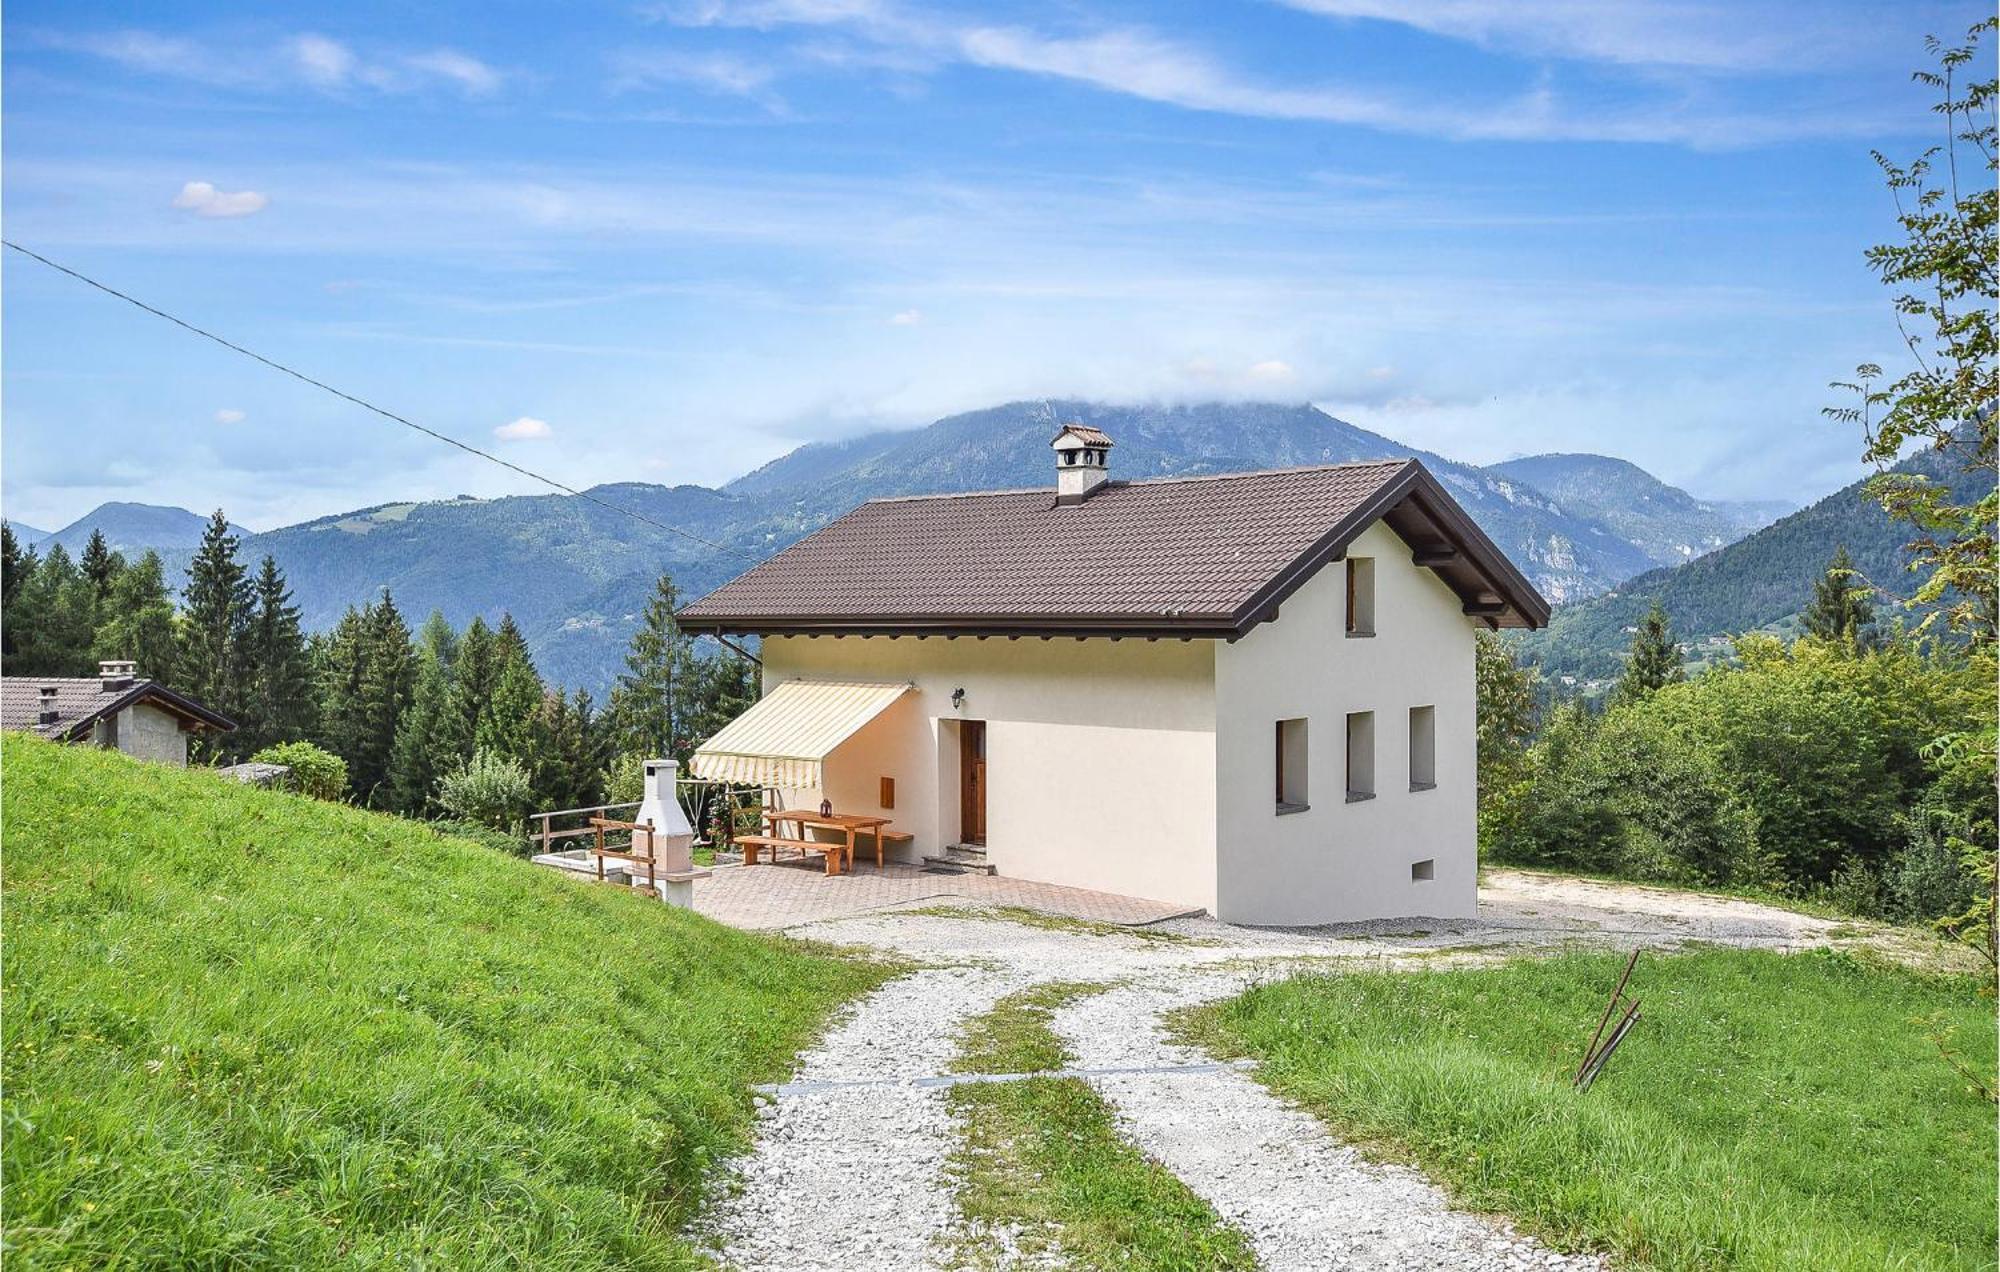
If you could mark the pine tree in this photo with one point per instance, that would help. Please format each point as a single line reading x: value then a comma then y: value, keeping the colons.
x: 423, y: 750
x: 16, y: 567
x: 475, y: 672
x: 216, y: 614
x: 280, y: 681
x: 1839, y: 610
x: 365, y: 685
x: 54, y: 619
x: 655, y: 701
x: 100, y: 564
x: 506, y: 724
x: 568, y: 752
x: 137, y: 622
x: 1655, y: 660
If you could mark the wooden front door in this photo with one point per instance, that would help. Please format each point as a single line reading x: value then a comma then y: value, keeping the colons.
x: 972, y: 782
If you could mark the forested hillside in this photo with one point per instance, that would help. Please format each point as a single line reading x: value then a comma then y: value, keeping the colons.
x: 1760, y: 580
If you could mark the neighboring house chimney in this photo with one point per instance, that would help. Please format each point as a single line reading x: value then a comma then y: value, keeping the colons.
x: 1082, y: 463
x: 116, y: 676
x: 49, y: 714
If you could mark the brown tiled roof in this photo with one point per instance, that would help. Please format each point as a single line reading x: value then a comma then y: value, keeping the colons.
x: 1083, y: 433
x: 81, y: 701
x: 1193, y: 556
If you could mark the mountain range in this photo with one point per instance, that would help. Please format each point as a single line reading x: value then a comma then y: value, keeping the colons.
x: 576, y: 574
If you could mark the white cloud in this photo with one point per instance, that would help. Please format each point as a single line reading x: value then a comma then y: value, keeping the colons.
x: 469, y: 73
x: 906, y: 318
x: 525, y: 429
x: 1272, y: 371
x: 327, y: 63
x: 203, y: 199
x: 230, y: 415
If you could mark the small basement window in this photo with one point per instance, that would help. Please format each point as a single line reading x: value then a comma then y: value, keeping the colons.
x: 1291, y: 757
x: 1423, y: 748
x: 1360, y: 596
x: 1360, y: 756
x: 1423, y: 871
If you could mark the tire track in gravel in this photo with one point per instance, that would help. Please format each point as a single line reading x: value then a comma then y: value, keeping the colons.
x: 1306, y: 1201
x: 854, y: 1179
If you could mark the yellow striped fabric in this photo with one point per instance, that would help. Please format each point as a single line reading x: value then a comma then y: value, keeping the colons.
x: 782, y: 740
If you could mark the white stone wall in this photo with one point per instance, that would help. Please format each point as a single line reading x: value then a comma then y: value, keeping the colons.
x: 1337, y: 860
x: 1100, y: 754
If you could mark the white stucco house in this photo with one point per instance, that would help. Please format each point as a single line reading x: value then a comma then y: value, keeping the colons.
x: 116, y: 709
x: 1252, y: 693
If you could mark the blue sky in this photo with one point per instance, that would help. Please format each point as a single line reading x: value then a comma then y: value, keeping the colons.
x: 668, y: 241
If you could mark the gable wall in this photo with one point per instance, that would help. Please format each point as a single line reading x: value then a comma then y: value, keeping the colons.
x: 1341, y: 861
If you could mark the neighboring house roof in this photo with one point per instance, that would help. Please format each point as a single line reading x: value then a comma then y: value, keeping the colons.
x: 81, y: 702
x: 1202, y: 556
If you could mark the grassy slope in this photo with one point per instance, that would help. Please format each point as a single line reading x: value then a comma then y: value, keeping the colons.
x: 250, y: 1029
x: 1770, y: 1111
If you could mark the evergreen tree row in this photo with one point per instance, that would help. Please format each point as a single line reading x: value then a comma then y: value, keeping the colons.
x: 403, y: 710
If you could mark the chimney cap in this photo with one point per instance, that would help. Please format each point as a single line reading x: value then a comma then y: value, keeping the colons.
x: 1076, y: 434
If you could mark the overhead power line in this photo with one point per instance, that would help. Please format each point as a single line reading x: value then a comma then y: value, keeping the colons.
x: 366, y: 405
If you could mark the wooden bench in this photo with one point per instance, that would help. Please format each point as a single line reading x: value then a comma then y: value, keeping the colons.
x: 834, y: 851
x: 884, y: 837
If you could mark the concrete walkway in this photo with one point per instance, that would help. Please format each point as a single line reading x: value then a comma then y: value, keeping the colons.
x: 792, y: 893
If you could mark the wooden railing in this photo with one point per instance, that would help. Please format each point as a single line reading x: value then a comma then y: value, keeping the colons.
x: 691, y: 792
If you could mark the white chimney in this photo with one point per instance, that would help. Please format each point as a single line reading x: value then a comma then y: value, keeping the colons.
x: 672, y: 837
x: 48, y: 713
x: 116, y: 676
x: 1082, y: 463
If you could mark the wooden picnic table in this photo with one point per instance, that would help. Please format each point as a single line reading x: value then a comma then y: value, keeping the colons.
x: 850, y: 824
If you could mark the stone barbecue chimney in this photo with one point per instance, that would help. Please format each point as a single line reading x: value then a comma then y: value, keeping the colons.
x: 1082, y: 463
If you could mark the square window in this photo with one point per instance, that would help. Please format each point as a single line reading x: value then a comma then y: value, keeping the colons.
x: 1420, y: 871
x: 1423, y: 748
x: 1291, y: 756
x: 1360, y: 596
x: 1360, y: 756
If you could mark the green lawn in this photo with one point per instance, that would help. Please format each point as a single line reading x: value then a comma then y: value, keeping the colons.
x: 1045, y: 1154
x: 1770, y: 1111
x: 246, y: 1029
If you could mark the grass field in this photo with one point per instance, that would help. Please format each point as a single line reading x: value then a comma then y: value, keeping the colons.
x: 246, y: 1029
x: 1770, y: 1111
x: 1044, y: 1154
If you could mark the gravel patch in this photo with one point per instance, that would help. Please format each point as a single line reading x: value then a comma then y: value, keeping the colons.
x: 855, y: 1177
x: 858, y: 1176
x: 1305, y: 1201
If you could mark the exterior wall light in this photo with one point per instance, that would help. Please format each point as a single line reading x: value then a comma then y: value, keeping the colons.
x: 958, y: 700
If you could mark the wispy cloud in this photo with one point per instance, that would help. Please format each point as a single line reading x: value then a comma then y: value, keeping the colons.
x: 230, y: 415
x: 309, y: 58
x: 1141, y: 62
x: 1738, y: 35
x: 203, y: 199
x: 720, y: 73
x: 906, y: 318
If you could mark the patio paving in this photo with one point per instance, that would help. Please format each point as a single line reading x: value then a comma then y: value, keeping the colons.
x: 790, y: 893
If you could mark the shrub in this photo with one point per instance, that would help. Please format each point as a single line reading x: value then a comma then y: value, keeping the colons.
x: 1928, y: 880
x: 491, y: 789
x: 320, y: 774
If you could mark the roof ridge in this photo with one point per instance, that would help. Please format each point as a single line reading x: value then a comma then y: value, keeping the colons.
x: 1154, y: 481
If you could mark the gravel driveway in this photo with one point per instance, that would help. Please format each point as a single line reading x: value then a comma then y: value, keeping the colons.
x: 850, y: 1166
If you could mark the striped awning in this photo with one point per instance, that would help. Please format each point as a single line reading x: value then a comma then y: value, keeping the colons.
x: 783, y: 738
